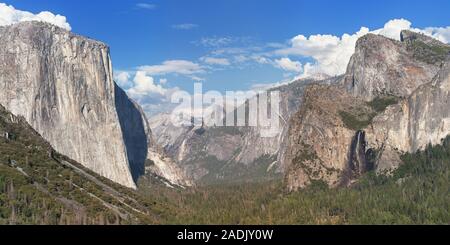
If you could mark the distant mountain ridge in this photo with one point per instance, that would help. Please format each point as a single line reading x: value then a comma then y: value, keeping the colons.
x: 212, y: 155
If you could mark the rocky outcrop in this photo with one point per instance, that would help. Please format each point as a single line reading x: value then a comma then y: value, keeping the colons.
x: 421, y: 119
x: 382, y: 66
x: 318, y: 141
x: 62, y: 84
x: 392, y: 100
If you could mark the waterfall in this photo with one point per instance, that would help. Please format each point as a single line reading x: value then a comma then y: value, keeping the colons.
x: 360, y: 160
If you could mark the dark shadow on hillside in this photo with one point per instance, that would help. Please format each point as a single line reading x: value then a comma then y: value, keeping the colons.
x: 133, y: 131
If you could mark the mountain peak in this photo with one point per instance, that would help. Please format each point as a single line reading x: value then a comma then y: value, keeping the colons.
x: 44, y: 29
x: 379, y: 60
x: 409, y: 36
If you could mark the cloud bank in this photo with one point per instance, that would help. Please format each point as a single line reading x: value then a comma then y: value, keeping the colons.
x: 9, y: 16
x: 289, y: 65
x: 331, y: 54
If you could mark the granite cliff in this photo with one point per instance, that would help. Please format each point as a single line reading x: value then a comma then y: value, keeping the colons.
x: 62, y: 84
x: 392, y: 100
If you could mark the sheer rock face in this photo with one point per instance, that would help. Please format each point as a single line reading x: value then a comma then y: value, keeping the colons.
x: 383, y: 66
x: 62, y: 84
x: 318, y: 141
x: 321, y: 146
x: 421, y: 119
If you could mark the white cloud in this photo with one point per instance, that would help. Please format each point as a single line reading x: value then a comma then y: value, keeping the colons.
x: 289, y: 65
x: 241, y: 58
x: 9, y: 16
x: 148, y: 6
x: 186, y: 26
x: 260, y: 59
x: 440, y: 33
x: 145, y: 85
x: 247, y: 57
x: 154, y: 98
x: 122, y: 78
x: 163, y: 81
x: 215, y: 61
x: 183, y: 67
x: 216, y: 41
x: 331, y: 54
x: 393, y: 28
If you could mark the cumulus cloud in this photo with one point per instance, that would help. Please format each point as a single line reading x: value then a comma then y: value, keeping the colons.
x: 393, y: 28
x: 154, y: 98
x: 183, y: 67
x: 152, y: 94
x: 440, y: 33
x: 289, y: 65
x: 145, y: 85
x: 122, y: 78
x: 9, y: 15
x: 215, y: 61
x: 186, y: 26
x: 331, y: 54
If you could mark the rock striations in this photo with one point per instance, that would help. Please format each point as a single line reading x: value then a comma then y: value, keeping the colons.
x: 393, y: 99
x: 383, y: 66
x: 62, y: 84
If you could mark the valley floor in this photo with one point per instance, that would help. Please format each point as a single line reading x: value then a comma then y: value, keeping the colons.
x: 417, y: 193
x: 37, y: 188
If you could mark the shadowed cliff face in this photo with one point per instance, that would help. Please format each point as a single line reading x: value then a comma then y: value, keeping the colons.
x: 133, y: 131
x: 361, y: 159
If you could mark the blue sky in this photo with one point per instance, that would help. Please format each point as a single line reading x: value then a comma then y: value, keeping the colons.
x: 231, y: 44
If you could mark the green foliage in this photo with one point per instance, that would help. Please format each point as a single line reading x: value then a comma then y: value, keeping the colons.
x: 36, y: 188
x: 417, y: 193
x: 429, y: 53
x: 355, y: 122
x: 358, y: 119
x: 380, y: 104
x: 221, y: 172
